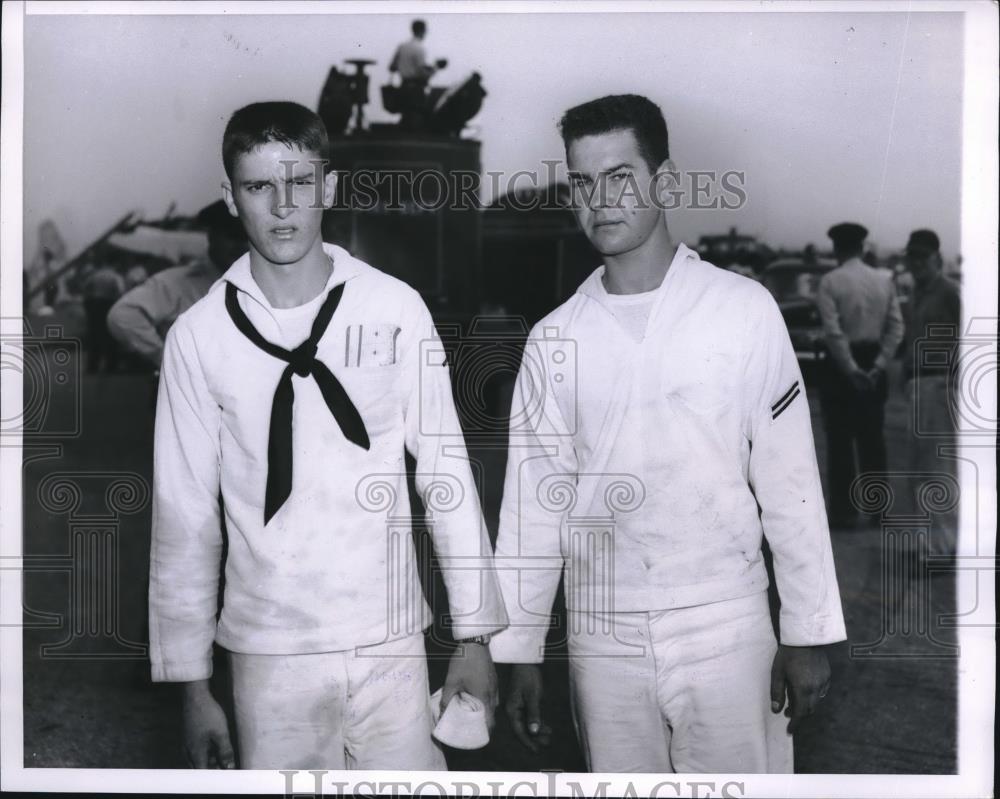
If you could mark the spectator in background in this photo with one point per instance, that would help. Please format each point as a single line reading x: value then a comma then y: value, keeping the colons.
x: 45, y: 271
x: 140, y: 320
x: 936, y: 315
x: 862, y: 328
x: 410, y: 58
x: 135, y: 276
x: 410, y: 63
x: 78, y: 277
x: 101, y: 288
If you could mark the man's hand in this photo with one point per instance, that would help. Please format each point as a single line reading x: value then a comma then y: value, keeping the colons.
x: 877, y: 377
x: 523, y: 706
x: 471, y: 670
x: 805, y: 671
x: 206, y: 733
x: 861, y: 380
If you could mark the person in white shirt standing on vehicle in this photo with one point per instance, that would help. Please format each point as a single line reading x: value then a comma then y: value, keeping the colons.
x: 659, y: 430
x: 410, y: 59
x: 862, y: 328
x: 410, y: 63
x: 292, y: 389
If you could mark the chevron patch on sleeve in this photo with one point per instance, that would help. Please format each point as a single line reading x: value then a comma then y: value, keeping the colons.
x: 786, y: 399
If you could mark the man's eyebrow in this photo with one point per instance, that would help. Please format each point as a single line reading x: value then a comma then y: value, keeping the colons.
x: 254, y: 181
x: 624, y: 165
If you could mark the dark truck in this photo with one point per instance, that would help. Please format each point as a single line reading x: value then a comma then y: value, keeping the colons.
x: 793, y: 283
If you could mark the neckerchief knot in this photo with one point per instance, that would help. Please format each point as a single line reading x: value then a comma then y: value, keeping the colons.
x: 302, y: 357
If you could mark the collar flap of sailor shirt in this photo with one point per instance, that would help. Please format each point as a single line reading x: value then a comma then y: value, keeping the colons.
x: 345, y: 267
x: 615, y: 394
x: 229, y: 383
x: 593, y: 287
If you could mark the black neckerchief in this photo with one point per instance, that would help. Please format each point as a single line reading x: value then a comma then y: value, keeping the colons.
x: 301, y: 361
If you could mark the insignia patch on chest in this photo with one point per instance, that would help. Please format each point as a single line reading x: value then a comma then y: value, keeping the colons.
x: 371, y: 344
x: 786, y: 399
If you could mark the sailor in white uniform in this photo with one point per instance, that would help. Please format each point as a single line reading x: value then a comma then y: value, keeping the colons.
x: 660, y: 431
x: 292, y: 389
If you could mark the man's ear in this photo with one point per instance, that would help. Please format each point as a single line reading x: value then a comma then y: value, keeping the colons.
x: 329, y: 188
x: 667, y: 186
x: 227, y: 196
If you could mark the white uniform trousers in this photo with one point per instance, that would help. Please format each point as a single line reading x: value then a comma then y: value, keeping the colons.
x: 680, y: 690
x: 365, y: 708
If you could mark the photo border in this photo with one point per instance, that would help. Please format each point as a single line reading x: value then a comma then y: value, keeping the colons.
x: 979, y: 291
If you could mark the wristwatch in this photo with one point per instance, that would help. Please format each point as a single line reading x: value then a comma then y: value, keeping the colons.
x: 475, y: 639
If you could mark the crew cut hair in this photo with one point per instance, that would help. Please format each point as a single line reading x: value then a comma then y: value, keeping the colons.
x: 261, y: 123
x: 620, y: 112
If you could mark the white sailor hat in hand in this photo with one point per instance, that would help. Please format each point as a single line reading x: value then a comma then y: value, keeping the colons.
x: 463, y: 723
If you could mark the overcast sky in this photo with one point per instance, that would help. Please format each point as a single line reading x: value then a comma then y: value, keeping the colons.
x: 832, y: 116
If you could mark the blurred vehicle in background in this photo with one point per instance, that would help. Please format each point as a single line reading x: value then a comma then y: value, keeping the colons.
x: 743, y: 269
x: 735, y: 251
x: 793, y: 283
x: 530, y: 237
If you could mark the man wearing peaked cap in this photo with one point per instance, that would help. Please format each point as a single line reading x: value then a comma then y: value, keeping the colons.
x: 934, y: 325
x: 862, y: 327
x: 848, y: 236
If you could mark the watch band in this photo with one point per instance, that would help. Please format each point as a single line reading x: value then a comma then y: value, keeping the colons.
x: 475, y: 639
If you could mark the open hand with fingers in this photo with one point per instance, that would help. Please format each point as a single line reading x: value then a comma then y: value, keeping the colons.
x: 803, y: 672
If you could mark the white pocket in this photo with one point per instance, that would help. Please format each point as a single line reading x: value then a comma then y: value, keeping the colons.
x: 371, y: 344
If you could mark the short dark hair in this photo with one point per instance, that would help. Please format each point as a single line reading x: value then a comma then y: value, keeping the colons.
x: 260, y: 123
x: 418, y: 26
x: 620, y: 112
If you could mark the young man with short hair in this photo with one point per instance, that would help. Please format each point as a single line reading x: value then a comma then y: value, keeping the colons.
x: 935, y: 327
x: 659, y: 430
x: 292, y: 389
